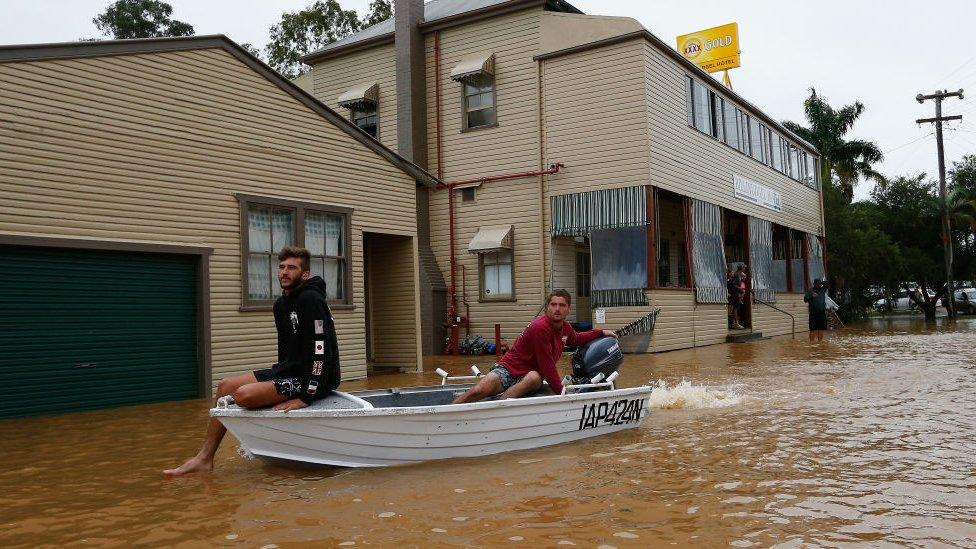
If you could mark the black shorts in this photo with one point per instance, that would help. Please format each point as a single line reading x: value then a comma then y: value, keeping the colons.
x: 818, y: 321
x: 288, y: 387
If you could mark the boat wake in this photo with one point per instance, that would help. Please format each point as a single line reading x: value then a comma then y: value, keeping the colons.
x: 684, y: 395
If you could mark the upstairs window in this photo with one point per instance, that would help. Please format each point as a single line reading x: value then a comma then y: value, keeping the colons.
x: 366, y: 119
x: 363, y: 104
x: 479, y: 101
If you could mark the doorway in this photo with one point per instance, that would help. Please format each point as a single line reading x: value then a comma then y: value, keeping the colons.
x: 583, y: 311
x: 735, y: 236
x: 390, y: 315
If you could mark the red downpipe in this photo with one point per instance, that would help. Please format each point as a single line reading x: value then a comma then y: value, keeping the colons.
x: 452, y: 287
x: 553, y: 169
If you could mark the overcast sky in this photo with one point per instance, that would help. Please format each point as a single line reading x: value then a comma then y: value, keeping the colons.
x: 880, y: 53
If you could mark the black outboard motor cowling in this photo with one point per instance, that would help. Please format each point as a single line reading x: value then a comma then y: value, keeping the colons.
x: 601, y: 355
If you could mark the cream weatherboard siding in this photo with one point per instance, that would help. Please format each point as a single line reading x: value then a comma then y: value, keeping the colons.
x: 688, y: 162
x: 564, y: 270
x: 336, y: 76
x: 512, y: 146
x: 771, y: 322
x: 153, y: 147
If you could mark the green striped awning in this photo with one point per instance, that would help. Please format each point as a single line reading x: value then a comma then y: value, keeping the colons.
x: 579, y: 213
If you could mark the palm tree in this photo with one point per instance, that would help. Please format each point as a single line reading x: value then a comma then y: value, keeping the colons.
x: 842, y: 161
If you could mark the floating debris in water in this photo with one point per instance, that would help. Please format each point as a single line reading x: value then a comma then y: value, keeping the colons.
x: 438, y: 530
x: 244, y: 453
x: 692, y: 510
x: 565, y: 542
x: 357, y: 500
x: 270, y: 546
x: 516, y: 538
x: 348, y: 543
x: 459, y: 519
x: 387, y: 514
x: 686, y: 395
x: 231, y: 536
x: 625, y: 535
x: 460, y: 490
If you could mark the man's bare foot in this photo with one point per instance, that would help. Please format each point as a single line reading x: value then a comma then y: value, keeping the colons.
x: 196, y: 464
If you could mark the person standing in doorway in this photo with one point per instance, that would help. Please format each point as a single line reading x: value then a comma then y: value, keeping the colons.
x: 741, y: 275
x: 816, y: 300
x: 308, y: 356
x: 732, y: 286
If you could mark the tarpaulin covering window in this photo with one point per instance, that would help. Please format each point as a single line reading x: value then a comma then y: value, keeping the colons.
x: 816, y: 267
x: 708, y: 257
x: 578, y: 214
x: 619, y: 267
x: 761, y: 258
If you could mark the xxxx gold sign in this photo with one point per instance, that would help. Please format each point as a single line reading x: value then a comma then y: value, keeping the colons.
x: 715, y: 49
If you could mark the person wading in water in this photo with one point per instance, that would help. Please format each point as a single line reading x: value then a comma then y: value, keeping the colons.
x: 533, y: 356
x: 308, y: 356
x: 816, y: 300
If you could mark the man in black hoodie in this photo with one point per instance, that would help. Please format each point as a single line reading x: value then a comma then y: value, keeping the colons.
x: 308, y: 356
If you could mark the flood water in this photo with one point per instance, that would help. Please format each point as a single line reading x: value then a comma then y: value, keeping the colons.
x: 866, y: 438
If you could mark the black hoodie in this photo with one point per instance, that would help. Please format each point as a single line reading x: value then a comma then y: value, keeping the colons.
x: 307, y: 346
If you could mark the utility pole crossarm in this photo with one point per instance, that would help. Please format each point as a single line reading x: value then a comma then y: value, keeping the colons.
x: 938, y: 119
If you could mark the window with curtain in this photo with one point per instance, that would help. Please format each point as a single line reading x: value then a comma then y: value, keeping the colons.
x: 270, y: 224
x: 761, y: 259
x: 582, y: 274
x: 708, y: 259
x: 324, y: 238
x: 618, y: 260
x: 479, y: 101
x: 497, y: 275
x: 731, y: 124
x: 703, y: 111
x: 269, y: 229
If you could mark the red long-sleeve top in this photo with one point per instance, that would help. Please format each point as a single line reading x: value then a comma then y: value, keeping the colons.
x: 538, y: 348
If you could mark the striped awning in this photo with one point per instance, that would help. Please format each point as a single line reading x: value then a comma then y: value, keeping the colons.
x: 490, y: 239
x: 579, y: 213
x: 364, y: 94
x: 474, y: 64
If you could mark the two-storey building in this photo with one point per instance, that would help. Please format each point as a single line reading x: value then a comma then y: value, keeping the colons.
x: 580, y: 152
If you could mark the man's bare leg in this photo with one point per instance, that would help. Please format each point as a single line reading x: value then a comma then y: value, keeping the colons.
x: 529, y: 384
x: 490, y: 385
x: 203, y: 461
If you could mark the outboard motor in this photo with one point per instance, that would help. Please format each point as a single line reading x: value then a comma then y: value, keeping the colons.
x: 601, y: 355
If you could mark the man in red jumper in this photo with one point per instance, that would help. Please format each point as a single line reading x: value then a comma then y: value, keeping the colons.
x: 533, y: 356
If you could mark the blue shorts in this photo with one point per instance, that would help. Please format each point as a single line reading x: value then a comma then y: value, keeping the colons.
x: 505, y: 376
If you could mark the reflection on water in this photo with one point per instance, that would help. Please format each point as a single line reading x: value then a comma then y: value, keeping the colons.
x: 867, y: 437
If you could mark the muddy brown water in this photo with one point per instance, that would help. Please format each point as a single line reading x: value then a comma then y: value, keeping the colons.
x: 868, y: 438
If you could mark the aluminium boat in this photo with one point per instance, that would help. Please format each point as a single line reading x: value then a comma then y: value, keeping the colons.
x: 397, y: 426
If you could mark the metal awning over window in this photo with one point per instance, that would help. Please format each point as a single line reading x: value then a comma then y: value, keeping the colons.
x: 475, y: 64
x: 578, y: 214
x: 490, y: 239
x: 359, y: 96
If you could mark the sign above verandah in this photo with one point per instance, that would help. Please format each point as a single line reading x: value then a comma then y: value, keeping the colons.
x: 760, y: 195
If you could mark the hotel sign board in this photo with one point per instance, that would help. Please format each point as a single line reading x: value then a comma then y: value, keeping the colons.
x: 760, y: 195
x: 715, y: 49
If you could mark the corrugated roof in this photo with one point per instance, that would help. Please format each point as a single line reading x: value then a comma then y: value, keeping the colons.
x: 434, y: 11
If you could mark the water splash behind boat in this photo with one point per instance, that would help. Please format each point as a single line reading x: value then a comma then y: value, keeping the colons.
x: 686, y: 395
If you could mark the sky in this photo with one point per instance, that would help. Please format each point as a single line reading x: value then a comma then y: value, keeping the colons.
x: 881, y: 53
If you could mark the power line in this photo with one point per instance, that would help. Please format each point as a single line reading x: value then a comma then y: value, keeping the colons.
x: 909, y: 143
x: 957, y: 69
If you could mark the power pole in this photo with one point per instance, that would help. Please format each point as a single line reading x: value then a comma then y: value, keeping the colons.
x: 938, y: 96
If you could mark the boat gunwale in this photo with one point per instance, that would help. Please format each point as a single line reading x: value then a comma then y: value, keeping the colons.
x: 390, y: 411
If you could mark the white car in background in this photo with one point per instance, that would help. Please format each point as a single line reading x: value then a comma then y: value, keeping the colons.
x: 965, y: 300
x: 899, y: 302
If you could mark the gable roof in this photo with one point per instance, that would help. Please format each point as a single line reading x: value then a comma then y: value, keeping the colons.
x: 437, y: 13
x: 72, y: 50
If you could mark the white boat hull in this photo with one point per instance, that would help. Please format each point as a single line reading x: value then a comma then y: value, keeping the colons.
x: 383, y: 436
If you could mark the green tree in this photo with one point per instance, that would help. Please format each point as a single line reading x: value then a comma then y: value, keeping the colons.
x: 305, y: 31
x: 842, y: 161
x: 379, y: 11
x: 249, y: 48
x: 140, y: 19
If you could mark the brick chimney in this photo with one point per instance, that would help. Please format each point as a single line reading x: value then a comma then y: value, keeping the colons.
x: 411, y: 81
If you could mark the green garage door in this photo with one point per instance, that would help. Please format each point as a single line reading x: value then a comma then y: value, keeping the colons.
x: 82, y: 329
